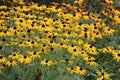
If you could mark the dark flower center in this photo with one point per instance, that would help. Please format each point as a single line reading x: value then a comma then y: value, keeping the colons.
x: 4, y: 39
x: 25, y: 56
x: 86, y: 29
x: 34, y: 53
x: 11, y: 61
x: 46, y: 61
x: 51, y: 48
x: 14, y: 54
x: 32, y: 42
x: 0, y: 47
x: 61, y: 44
x: 74, y: 50
x: 72, y: 45
x: 81, y: 68
x: 102, y: 73
x: 1, y: 57
x: 67, y: 60
x: 21, y: 20
x: 72, y: 68
x: 119, y: 54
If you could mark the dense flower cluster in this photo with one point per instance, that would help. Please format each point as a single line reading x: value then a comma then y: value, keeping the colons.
x: 29, y: 31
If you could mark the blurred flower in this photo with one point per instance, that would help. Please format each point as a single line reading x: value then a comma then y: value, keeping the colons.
x: 90, y: 61
x: 34, y: 54
x: 79, y: 70
x: 11, y: 62
x: 102, y: 75
x: 25, y: 59
x: 2, y: 59
x: 109, y: 1
x: 116, y: 55
x: 15, y: 55
x: 47, y: 62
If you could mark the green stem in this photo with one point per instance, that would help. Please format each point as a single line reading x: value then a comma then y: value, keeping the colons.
x: 108, y: 62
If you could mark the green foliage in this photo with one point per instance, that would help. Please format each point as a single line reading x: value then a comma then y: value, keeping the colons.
x: 68, y: 40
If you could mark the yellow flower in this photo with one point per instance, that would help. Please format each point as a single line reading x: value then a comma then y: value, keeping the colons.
x: 76, y: 69
x: 15, y: 55
x: 2, y: 59
x: 77, y: 16
x: 20, y: 21
x: 108, y: 31
x: 116, y: 55
x: 90, y: 61
x: 107, y: 49
x: 74, y: 50
x: 31, y: 43
x: 42, y: 7
x: 118, y: 69
x: 21, y: 2
x: 25, y: 59
x: 116, y: 18
x: 66, y: 61
x: 105, y: 12
x: 62, y: 45
x: 85, y: 17
x: 11, y: 63
x: 21, y: 44
x: 79, y: 70
x: 78, y: 1
x: 109, y: 1
x: 90, y: 48
x: 34, y: 54
x: 70, y: 69
x: 102, y: 75
x: 83, y: 54
x: 44, y: 48
x: 5, y: 33
x: 47, y: 62
x: 2, y: 66
x: 3, y: 7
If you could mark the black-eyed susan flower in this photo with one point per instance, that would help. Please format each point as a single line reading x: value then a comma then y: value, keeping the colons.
x: 78, y: 1
x: 108, y: 31
x: 102, y: 75
x: 90, y: 61
x: 79, y: 70
x: 90, y: 48
x: 30, y: 43
x: 15, y: 55
x: 74, y: 50
x: 2, y: 59
x: 107, y: 49
x: 116, y: 55
x: 48, y: 62
x: 11, y: 62
x: 2, y: 66
x: 34, y: 54
x: 45, y: 48
x: 62, y: 45
x: 67, y: 61
x: 5, y: 33
x: 21, y: 44
x: 25, y: 59
x: 109, y: 1
x: 83, y: 53
x: 3, y: 7
x: 35, y: 29
x: 70, y: 69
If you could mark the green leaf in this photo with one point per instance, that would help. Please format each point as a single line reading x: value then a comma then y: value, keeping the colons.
x: 91, y: 76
